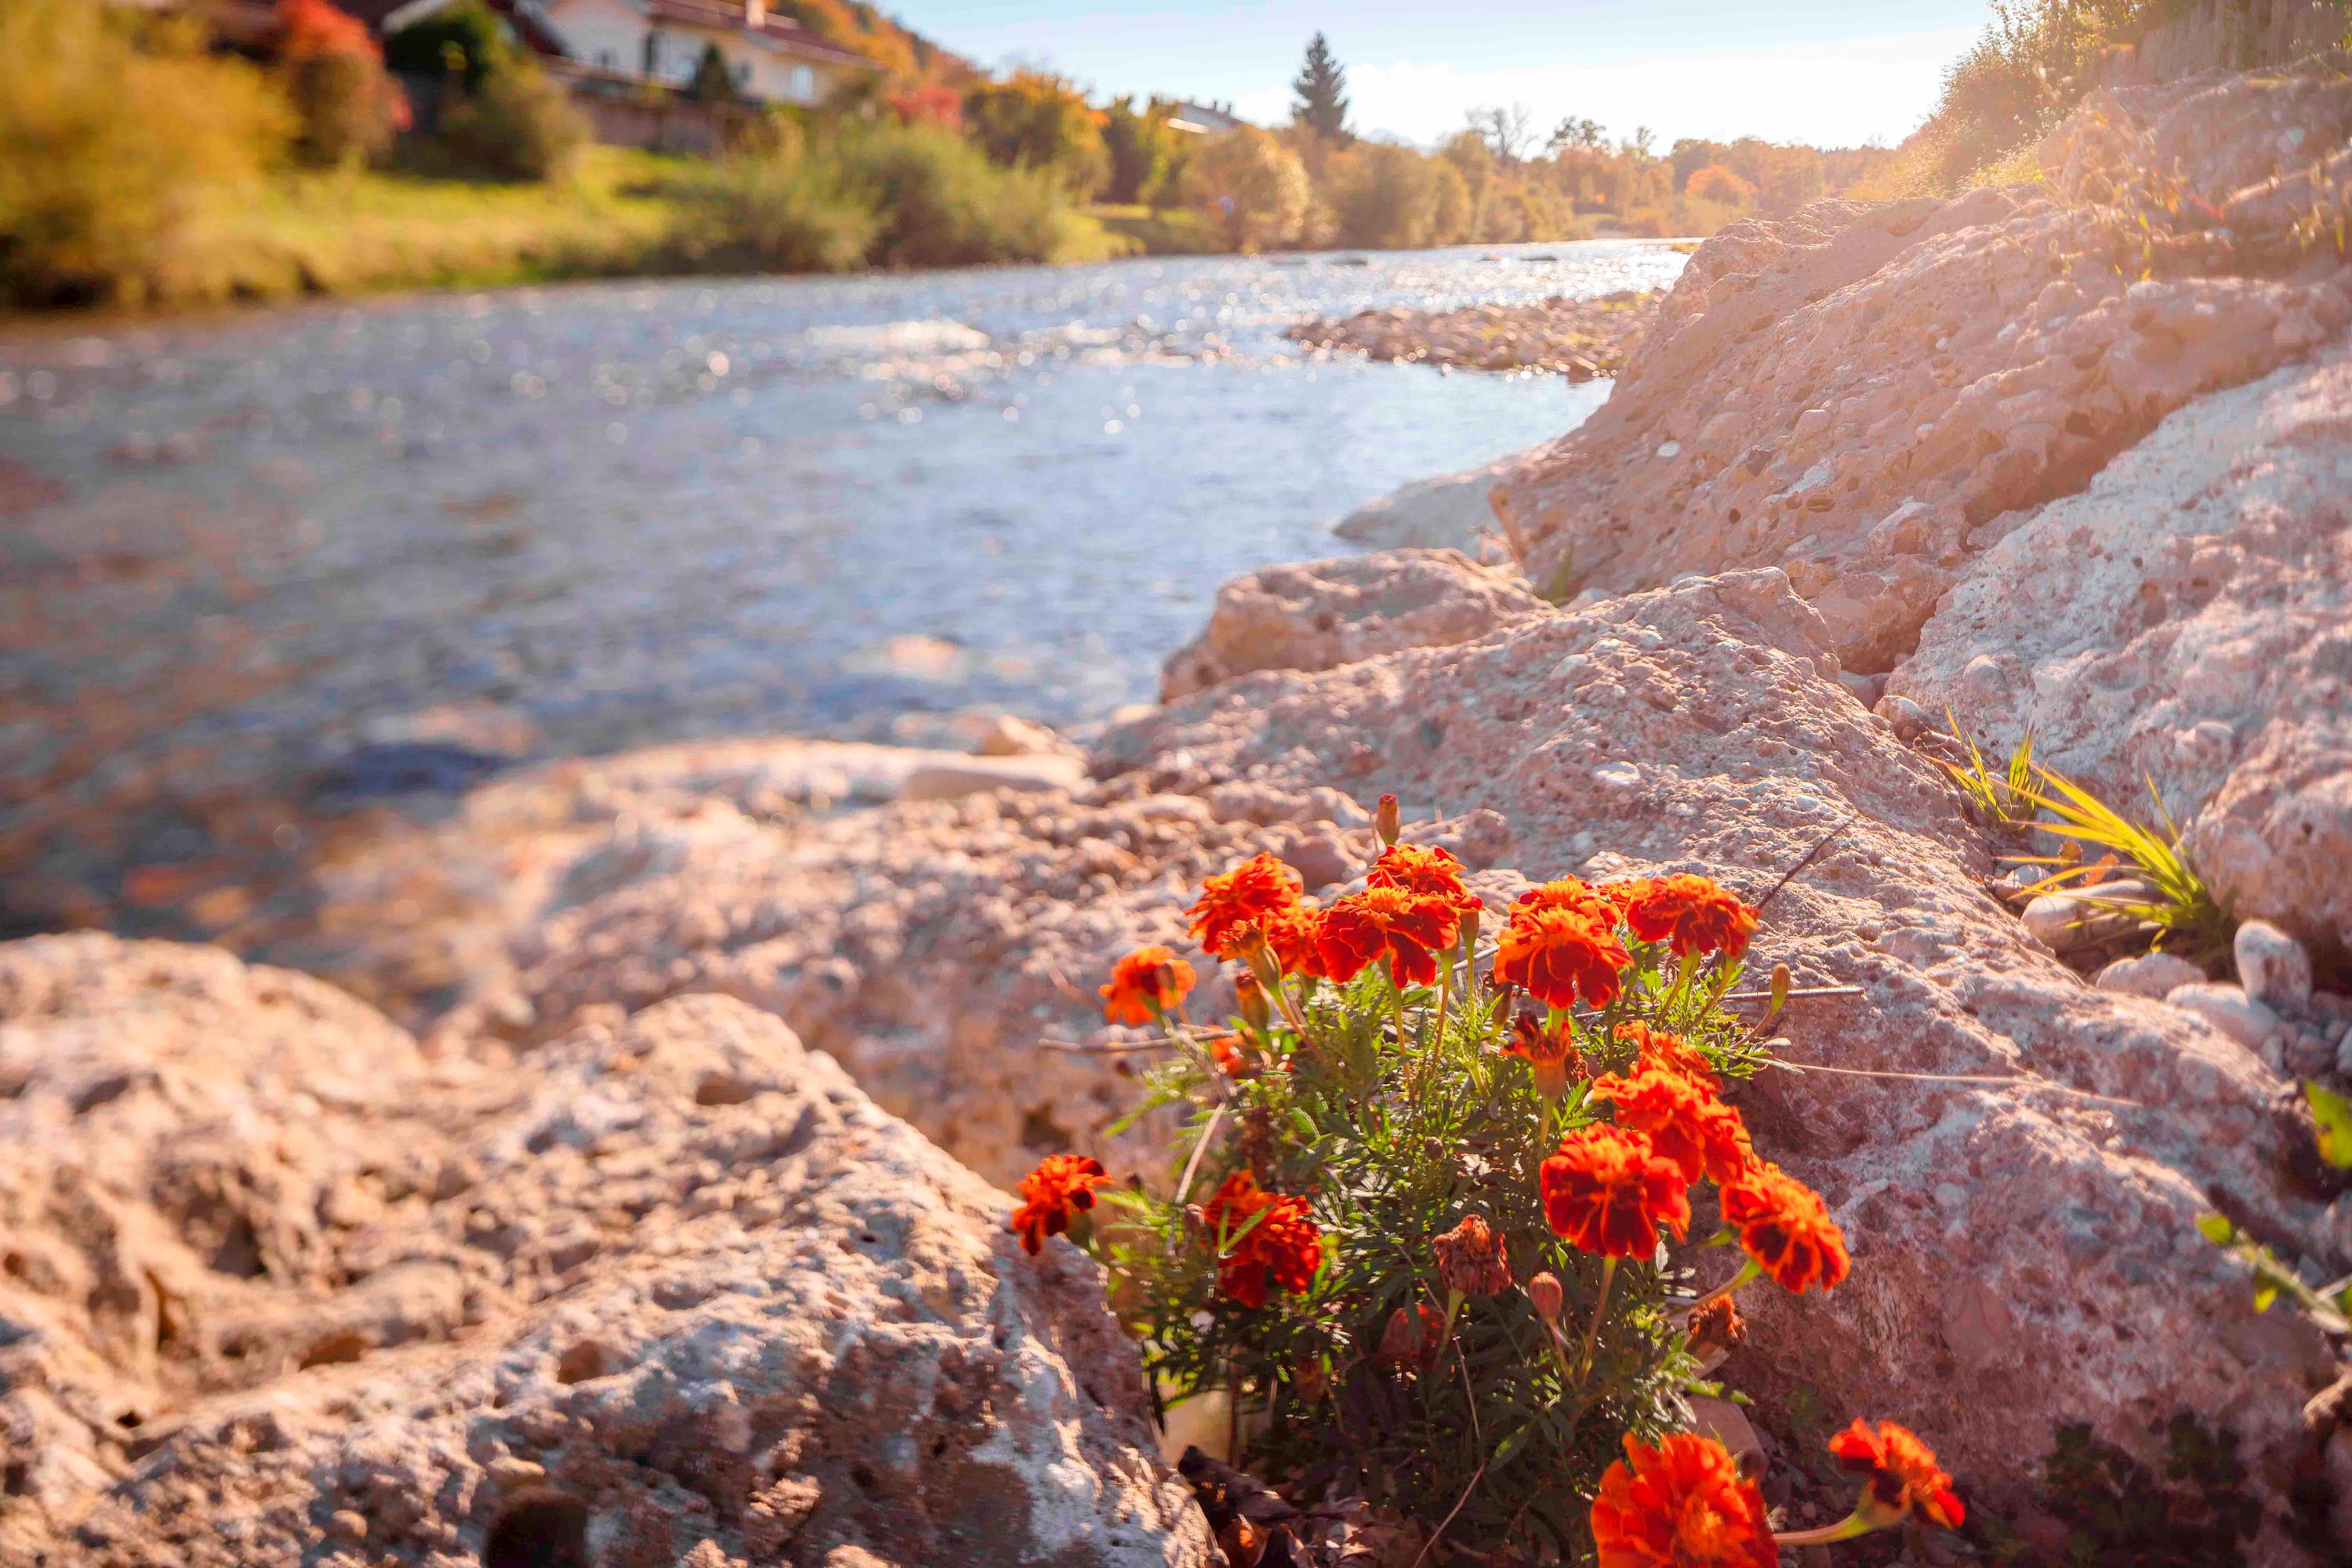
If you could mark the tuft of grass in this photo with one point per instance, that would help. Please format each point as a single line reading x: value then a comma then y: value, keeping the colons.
x: 1998, y: 799
x: 2180, y: 915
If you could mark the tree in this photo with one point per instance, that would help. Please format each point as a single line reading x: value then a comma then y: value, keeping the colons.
x: 347, y: 110
x: 712, y: 81
x: 1574, y: 133
x: 1509, y: 132
x: 1035, y: 121
x: 1143, y: 149
x: 1321, y: 87
x: 1254, y: 185
x: 1638, y: 144
x: 424, y: 48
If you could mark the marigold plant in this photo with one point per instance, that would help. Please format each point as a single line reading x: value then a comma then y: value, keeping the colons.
x: 1426, y: 1098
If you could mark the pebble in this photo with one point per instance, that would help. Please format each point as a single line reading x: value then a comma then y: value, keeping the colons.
x: 2229, y: 1009
x: 2154, y: 975
x: 2272, y: 966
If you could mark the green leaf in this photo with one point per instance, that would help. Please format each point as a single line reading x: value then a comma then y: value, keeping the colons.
x: 2333, y: 1111
x: 2216, y: 1228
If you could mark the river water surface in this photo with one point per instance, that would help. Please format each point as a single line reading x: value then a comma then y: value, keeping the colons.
x: 252, y: 552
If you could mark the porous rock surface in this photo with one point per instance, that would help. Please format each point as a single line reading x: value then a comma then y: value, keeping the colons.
x: 1319, y: 614
x: 2031, y: 1237
x: 1867, y: 395
x: 2186, y: 622
x: 281, y: 1290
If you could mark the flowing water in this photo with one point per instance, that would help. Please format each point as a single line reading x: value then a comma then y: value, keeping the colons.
x: 389, y: 544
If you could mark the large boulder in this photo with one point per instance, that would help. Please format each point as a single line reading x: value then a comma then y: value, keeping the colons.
x: 1867, y: 397
x: 2018, y: 1158
x: 1320, y: 614
x: 669, y: 1289
x: 1450, y: 511
x: 2186, y: 621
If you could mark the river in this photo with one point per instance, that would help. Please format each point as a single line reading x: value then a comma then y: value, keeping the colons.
x: 391, y: 544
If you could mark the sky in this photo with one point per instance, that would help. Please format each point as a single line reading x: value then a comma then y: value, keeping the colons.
x: 1828, y: 72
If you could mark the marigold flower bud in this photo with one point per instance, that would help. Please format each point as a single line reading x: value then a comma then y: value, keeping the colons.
x: 1401, y: 1340
x: 1388, y: 821
x: 1471, y: 1259
x: 1249, y: 997
x: 1543, y: 1295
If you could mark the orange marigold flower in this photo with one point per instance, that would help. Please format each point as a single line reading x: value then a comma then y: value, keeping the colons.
x: 1471, y: 1259
x: 1554, y: 951
x: 1683, y: 1504
x: 1690, y: 914
x: 1430, y: 872
x: 1057, y: 1192
x: 1294, y: 935
x: 1231, y: 1058
x: 1145, y: 983
x: 1786, y: 1228
x: 1684, y: 1119
x: 1902, y: 1472
x: 1607, y: 1190
x: 1281, y: 1251
x: 1550, y: 1053
x: 1238, y: 899
x: 1406, y: 928
x: 1657, y: 1048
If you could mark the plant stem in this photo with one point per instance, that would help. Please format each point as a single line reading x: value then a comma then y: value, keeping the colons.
x: 1846, y: 1528
x: 1599, y: 1306
x: 1750, y: 1270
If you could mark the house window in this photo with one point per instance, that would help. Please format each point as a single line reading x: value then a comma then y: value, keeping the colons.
x: 804, y: 84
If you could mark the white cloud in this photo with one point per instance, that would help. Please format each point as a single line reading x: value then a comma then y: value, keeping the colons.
x: 1839, y: 95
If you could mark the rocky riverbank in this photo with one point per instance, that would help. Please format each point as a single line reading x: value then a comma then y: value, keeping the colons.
x: 1581, y: 339
x: 611, y: 1267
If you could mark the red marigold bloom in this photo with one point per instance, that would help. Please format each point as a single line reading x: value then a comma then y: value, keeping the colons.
x: 1607, y: 1190
x: 1684, y: 1121
x: 1407, y: 927
x: 1145, y: 983
x: 1282, y: 1250
x: 1053, y: 1194
x: 1231, y: 1058
x: 1786, y: 1228
x: 1671, y: 1052
x: 1681, y: 1504
x: 1294, y: 935
x: 1690, y: 914
x: 1902, y: 1472
x: 1553, y: 951
x: 1550, y: 1053
x: 1422, y: 869
x: 1403, y: 1344
x: 1230, y: 903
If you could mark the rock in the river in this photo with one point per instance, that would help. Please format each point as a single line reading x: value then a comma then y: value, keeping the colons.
x: 1868, y: 395
x: 2229, y: 1009
x: 2272, y: 966
x: 284, y: 1289
x: 1325, y: 613
x: 2153, y: 975
x: 1448, y: 512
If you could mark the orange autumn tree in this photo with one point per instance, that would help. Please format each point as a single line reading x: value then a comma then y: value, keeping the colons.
x: 1463, y: 1203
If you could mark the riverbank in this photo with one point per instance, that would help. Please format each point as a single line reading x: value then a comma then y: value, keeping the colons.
x: 1581, y: 339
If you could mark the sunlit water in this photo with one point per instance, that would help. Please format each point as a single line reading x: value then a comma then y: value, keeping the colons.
x: 629, y: 511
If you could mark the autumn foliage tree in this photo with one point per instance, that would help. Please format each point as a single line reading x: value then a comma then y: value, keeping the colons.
x: 1251, y: 185
x: 347, y: 108
x: 1033, y: 120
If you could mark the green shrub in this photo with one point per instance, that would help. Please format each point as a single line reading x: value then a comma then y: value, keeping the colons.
x: 1254, y: 185
x: 1143, y: 151
x: 774, y: 208
x: 518, y: 125
x: 1035, y: 121
x: 1388, y: 196
x: 465, y: 41
x: 111, y: 133
x: 943, y: 204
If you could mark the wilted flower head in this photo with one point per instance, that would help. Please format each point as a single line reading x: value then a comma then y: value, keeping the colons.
x: 1607, y: 1190
x: 1900, y: 1475
x: 1786, y: 1228
x: 1550, y: 1053
x: 1145, y: 983
x: 1470, y: 1258
x: 1683, y: 1504
x: 1717, y: 1325
x: 1281, y: 1251
x: 1684, y: 1121
x: 1409, y: 929
x: 1235, y: 900
x: 1690, y: 914
x: 1054, y: 1195
x: 1425, y: 872
x: 1556, y: 948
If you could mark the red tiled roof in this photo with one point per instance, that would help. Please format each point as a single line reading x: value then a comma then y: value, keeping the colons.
x: 780, y: 32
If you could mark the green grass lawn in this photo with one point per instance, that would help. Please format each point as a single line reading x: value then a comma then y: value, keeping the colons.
x: 1174, y: 231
